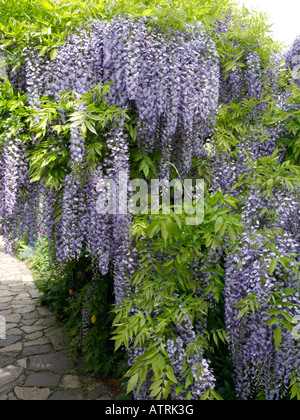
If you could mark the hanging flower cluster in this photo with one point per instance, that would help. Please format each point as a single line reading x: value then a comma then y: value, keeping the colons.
x: 258, y: 365
x: 173, y: 83
x: 203, y: 377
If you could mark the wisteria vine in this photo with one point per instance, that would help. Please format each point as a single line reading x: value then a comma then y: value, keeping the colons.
x: 174, y: 85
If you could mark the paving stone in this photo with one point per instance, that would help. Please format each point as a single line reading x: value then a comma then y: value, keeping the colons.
x: 58, y: 342
x: 72, y: 394
x: 10, y: 325
x: 20, y: 303
x: 34, y: 350
x: 5, y: 314
x: 28, y: 322
x: 22, y: 363
x: 9, y: 282
x: 44, y: 311
x: 8, y: 375
x: 4, y: 361
x: 13, y: 318
x: 14, y: 331
x: 34, y: 336
x: 11, y: 396
x: 17, y: 347
x: 42, y: 379
x: 33, y: 362
x: 25, y: 309
x: 35, y: 294
x: 70, y: 381
x: 54, y: 331
x: 6, y: 293
x: 13, y: 354
x: 39, y: 342
x: 56, y: 362
x: 32, y: 394
x: 46, y: 321
x: 5, y: 299
x: 22, y: 296
x: 33, y: 316
x: 27, y: 278
x: 32, y: 329
x: 10, y: 339
x: 16, y: 287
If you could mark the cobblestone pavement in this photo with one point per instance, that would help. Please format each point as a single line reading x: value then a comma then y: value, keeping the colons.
x: 33, y: 358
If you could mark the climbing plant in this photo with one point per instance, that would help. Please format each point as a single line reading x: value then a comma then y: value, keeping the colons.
x: 175, y: 90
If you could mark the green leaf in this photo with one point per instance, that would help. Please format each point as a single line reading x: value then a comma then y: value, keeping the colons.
x: 164, y: 231
x: 179, y: 389
x: 83, y: 130
x: 277, y: 337
x: 273, y: 321
x: 53, y: 54
x: 170, y: 374
x: 156, y: 388
x: 231, y: 233
x: 90, y: 126
x: 189, y: 380
x: 288, y: 291
x: 287, y: 325
x: 147, y: 12
x: 216, y: 395
x: 273, y: 265
x: 205, y: 395
x: 287, y: 316
x: 166, y: 391
x: 218, y: 223
x: 274, y: 312
x: 132, y: 382
x: 58, y: 219
x: 243, y: 312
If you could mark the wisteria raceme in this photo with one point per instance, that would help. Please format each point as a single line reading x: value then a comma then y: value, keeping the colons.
x: 11, y: 158
x: 117, y: 165
x: 31, y: 218
x: 35, y: 76
x: 106, y: 52
x: 257, y: 365
x: 15, y: 183
x: 233, y: 87
x: 203, y: 377
x: 287, y: 210
x: 46, y: 212
x: 99, y: 240
x: 254, y: 75
x: 171, y: 80
x: 18, y: 78
x: 292, y: 60
x: 174, y: 84
x: 74, y: 218
x: 75, y: 67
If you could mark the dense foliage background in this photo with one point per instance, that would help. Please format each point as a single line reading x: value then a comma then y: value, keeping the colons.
x: 156, y: 89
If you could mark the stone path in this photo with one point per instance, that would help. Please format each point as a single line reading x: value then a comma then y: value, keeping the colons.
x: 33, y: 358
